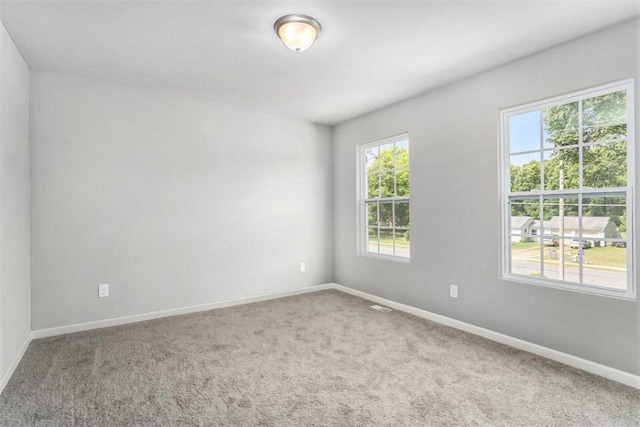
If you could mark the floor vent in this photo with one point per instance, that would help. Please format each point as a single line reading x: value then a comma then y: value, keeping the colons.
x: 381, y: 308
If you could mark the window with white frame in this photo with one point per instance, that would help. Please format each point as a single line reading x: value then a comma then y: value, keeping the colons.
x: 384, y: 198
x: 567, y: 191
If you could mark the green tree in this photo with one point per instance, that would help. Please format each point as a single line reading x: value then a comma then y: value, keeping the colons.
x: 525, y: 177
x: 384, y: 181
x: 380, y: 172
x: 604, y: 163
x: 561, y: 125
x: 604, y: 121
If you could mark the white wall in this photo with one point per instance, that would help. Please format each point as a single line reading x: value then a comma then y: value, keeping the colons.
x: 15, y: 304
x: 455, y: 209
x: 171, y: 200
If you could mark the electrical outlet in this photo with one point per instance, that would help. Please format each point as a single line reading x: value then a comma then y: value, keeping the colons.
x: 453, y: 291
x: 303, y: 267
x: 103, y: 290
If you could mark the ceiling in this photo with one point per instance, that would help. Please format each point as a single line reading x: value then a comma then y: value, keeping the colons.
x: 369, y: 54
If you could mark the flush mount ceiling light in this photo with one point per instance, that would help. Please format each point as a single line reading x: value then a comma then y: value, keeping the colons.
x: 297, y: 32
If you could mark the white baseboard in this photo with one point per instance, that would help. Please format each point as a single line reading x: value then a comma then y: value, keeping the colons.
x: 16, y: 361
x: 577, y: 362
x: 78, y: 327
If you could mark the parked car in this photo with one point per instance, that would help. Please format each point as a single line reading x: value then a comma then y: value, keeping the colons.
x: 575, y: 244
x: 619, y: 244
x: 550, y: 241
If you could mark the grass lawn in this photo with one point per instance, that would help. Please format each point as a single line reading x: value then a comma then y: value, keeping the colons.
x: 524, y: 245
x: 608, y: 256
x: 387, y: 239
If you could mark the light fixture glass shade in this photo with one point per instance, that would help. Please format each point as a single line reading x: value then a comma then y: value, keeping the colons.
x: 297, y: 32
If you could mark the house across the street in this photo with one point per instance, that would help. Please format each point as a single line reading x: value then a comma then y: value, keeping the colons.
x: 596, y: 228
x: 521, y: 228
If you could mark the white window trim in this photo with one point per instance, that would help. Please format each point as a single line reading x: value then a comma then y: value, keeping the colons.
x: 361, y: 191
x: 631, y: 292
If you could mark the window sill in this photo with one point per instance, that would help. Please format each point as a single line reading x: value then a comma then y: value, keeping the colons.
x: 401, y: 260
x: 583, y: 289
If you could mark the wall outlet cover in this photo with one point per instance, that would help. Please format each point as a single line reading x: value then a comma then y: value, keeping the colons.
x: 103, y: 290
x: 453, y: 291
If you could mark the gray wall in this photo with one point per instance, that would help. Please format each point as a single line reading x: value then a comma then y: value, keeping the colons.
x: 171, y: 200
x: 455, y: 208
x: 15, y: 302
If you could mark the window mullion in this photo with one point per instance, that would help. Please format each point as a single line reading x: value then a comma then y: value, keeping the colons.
x: 388, y: 199
x: 394, y: 155
x: 393, y: 229
x: 567, y: 193
x: 378, y: 226
x: 541, y: 131
x: 629, y: 242
x: 581, y: 145
x: 540, y: 218
x: 580, y: 244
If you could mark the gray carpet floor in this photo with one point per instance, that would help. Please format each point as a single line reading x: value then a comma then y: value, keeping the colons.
x: 320, y: 359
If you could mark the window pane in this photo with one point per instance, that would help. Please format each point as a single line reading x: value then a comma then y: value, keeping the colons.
x: 562, y: 169
x: 372, y: 213
x: 524, y: 132
x: 604, y: 133
x: 386, y: 157
x: 604, y: 217
x: 605, y: 165
x: 402, y: 214
x: 560, y: 216
x: 386, y: 215
x: 402, y: 183
x: 403, y: 245
x: 373, y: 186
x: 605, y: 266
x: 560, y: 125
x: 525, y: 172
x: 371, y: 157
x: 525, y: 257
x: 402, y: 155
x: 525, y: 207
x: 386, y: 241
x: 372, y: 240
x: 521, y: 227
x: 387, y: 184
x: 604, y: 117
x: 561, y: 262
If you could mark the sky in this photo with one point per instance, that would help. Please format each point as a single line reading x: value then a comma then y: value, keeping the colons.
x: 524, y: 135
x: 524, y: 132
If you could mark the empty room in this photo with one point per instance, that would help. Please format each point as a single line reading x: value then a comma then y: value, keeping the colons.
x: 319, y: 213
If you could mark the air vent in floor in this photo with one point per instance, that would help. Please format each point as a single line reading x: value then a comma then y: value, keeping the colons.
x: 381, y: 308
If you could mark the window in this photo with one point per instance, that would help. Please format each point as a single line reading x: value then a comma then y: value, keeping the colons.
x: 384, y: 198
x: 567, y: 191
